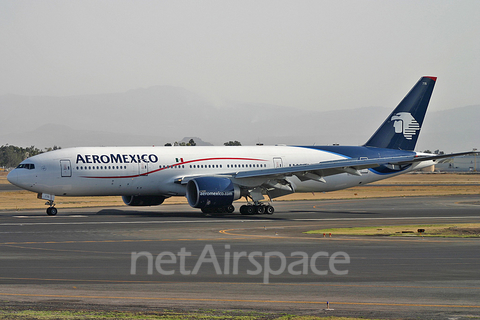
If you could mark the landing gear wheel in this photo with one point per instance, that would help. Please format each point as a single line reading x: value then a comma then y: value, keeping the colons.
x: 269, y: 210
x: 230, y: 209
x: 260, y: 209
x: 206, y: 210
x: 52, y: 211
x: 247, y: 210
x: 242, y: 210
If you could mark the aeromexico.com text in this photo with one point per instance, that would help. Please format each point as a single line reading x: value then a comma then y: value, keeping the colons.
x: 266, y: 264
x: 116, y: 158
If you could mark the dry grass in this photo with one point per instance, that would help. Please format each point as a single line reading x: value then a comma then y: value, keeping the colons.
x: 401, y: 186
x: 406, y: 185
x: 463, y: 230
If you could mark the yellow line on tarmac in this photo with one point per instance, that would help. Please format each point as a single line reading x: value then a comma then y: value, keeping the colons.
x: 241, y: 300
x: 111, y: 241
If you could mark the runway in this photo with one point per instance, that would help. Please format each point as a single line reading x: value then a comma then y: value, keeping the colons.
x: 172, y: 256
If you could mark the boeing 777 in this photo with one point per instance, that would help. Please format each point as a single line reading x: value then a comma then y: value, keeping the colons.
x: 212, y: 178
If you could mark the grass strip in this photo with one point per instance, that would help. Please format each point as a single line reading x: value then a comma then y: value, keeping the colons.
x: 163, y: 315
x: 463, y: 230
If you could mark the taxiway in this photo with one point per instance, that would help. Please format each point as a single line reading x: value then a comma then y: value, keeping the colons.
x: 85, y: 256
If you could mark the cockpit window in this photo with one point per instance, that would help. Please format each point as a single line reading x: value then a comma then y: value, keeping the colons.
x: 29, y: 166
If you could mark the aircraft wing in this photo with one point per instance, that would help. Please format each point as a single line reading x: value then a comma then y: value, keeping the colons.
x: 352, y: 166
x: 327, y: 168
x: 440, y: 156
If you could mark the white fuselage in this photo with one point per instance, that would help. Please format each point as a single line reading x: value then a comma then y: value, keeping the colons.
x: 123, y: 171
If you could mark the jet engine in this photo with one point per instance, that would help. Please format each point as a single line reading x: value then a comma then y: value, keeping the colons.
x: 211, y: 192
x: 143, y: 200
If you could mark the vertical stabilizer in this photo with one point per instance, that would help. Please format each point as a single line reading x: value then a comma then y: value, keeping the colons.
x: 402, y: 127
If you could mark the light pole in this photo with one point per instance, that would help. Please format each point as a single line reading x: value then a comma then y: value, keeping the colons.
x: 475, y: 160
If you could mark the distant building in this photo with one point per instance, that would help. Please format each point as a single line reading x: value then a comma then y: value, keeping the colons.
x: 460, y: 164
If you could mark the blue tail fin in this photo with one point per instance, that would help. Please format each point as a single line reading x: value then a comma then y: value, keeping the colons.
x: 402, y: 127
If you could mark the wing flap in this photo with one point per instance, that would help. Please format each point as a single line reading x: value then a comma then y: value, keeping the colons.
x: 323, y: 169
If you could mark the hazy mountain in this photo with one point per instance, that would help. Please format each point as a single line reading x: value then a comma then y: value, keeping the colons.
x: 157, y: 115
x: 198, y: 141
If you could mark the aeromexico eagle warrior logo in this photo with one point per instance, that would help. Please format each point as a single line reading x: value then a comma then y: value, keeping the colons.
x: 406, y: 124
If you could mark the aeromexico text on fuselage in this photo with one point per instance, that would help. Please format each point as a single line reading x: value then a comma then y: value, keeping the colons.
x: 116, y: 158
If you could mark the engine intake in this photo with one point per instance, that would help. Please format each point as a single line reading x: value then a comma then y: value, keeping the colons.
x: 206, y: 192
x: 143, y: 200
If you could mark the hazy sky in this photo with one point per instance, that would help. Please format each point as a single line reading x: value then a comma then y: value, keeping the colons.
x: 318, y: 55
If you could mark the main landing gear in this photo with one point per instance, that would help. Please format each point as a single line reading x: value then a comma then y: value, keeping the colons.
x: 219, y: 210
x: 256, y: 208
x: 248, y: 209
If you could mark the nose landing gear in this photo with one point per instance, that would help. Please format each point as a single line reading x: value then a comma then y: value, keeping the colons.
x: 51, y: 211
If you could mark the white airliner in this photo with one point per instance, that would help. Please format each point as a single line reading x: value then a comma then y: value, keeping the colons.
x: 213, y: 177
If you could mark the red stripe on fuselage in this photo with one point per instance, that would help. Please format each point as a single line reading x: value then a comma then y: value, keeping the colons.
x: 171, y: 166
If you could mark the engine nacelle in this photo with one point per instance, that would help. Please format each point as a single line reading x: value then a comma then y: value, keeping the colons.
x: 143, y: 200
x: 207, y: 192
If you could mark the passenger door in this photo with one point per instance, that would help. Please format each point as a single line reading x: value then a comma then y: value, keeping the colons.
x: 143, y: 168
x: 277, y: 162
x: 66, y: 168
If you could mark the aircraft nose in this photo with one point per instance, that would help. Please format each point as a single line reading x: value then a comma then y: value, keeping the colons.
x: 12, y: 177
